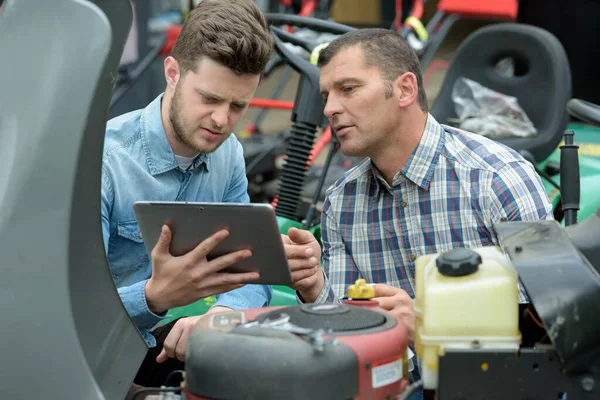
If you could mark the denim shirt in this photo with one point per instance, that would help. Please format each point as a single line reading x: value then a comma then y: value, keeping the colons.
x: 138, y: 164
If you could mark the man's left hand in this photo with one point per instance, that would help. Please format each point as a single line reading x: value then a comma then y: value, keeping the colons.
x: 176, y: 341
x: 399, y: 304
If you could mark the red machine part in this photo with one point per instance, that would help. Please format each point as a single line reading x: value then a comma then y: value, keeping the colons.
x: 380, y: 355
x: 491, y: 9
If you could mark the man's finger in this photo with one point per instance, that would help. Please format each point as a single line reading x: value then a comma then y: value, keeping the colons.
x: 171, y: 340
x: 298, y: 265
x: 227, y: 260
x: 387, y: 303
x: 298, y: 251
x: 162, y: 357
x: 182, y: 343
x: 382, y: 290
x: 207, y: 245
x: 164, y: 241
x: 297, y: 276
x: 300, y: 236
x: 285, y: 239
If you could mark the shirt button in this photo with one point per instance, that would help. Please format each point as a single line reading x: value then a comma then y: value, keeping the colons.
x: 404, y: 204
x: 413, y: 257
x: 140, y: 235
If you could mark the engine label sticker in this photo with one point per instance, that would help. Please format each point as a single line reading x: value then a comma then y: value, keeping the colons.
x: 386, y: 373
x: 227, y: 320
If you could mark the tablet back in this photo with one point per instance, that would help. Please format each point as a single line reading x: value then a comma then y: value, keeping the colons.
x: 252, y: 226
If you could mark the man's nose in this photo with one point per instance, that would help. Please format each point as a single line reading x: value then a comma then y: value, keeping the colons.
x: 332, y: 107
x: 220, y: 115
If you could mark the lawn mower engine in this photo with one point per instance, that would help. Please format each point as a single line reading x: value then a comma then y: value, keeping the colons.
x: 352, y: 350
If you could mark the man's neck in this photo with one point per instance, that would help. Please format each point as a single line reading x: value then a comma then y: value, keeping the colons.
x: 177, y: 146
x: 393, y: 156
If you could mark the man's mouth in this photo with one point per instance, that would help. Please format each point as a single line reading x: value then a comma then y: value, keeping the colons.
x: 339, y: 129
x: 210, y: 133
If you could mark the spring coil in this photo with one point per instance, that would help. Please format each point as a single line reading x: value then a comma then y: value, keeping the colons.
x: 295, y: 169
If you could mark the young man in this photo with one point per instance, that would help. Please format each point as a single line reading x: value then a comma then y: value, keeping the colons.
x: 422, y: 188
x: 180, y: 148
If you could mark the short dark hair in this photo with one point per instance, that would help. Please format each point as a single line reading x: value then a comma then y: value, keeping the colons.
x: 386, y: 50
x: 233, y: 33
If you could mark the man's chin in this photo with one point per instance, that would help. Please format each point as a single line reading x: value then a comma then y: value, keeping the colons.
x: 351, y: 151
x: 207, y: 147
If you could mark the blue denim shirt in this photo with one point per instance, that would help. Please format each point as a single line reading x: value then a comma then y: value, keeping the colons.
x: 138, y: 164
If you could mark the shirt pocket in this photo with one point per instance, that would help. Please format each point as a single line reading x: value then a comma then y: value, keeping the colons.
x: 127, y: 253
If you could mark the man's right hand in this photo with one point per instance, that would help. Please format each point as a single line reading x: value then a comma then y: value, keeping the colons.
x: 179, y: 281
x: 304, y: 254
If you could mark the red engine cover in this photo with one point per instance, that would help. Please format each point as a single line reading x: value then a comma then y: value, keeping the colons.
x: 380, y: 354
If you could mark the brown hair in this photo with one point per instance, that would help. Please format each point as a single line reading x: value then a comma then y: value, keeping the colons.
x: 385, y: 49
x: 233, y: 33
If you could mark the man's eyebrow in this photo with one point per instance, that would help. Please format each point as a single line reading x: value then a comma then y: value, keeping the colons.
x: 237, y: 103
x: 209, y: 95
x: 240, y: 103
x: 345, y: 81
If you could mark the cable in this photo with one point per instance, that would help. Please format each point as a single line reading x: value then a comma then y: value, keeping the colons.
x: 546, y: 176
x: 411, y: 390
x: 163, y: 389
x: 172, y: 374
x: 537, y: 322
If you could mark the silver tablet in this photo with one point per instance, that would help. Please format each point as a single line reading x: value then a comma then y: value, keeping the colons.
x: 252, y: 226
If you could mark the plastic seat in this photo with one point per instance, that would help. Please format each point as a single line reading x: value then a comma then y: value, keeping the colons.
x: 542, y: 81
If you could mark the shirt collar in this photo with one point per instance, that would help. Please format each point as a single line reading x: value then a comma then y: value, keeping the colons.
x: 159, y: 155
x: 421, y: 163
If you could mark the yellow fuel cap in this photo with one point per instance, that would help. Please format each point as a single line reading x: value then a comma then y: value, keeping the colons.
x: 360, y: 290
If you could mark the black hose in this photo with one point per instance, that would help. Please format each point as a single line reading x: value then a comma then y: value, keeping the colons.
x: 313, y: 205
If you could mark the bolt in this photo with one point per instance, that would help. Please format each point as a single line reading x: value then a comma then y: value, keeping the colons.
x: 518, y: 249
x: 587, y: 383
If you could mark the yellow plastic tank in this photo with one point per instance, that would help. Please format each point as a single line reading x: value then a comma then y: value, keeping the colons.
x: 464, y: 298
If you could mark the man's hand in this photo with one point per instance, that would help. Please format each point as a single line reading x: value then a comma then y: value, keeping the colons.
x: 399, y: 304
x: 304, y: 253
x: 179, y: 281
x: 175, y: 343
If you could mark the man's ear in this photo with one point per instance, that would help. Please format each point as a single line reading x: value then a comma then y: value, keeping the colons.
x: 172, y: 72
x: 407, y: 89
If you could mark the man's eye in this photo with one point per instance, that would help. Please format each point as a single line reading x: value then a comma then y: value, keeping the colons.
x: 209, y: 99
x: 348, y: 89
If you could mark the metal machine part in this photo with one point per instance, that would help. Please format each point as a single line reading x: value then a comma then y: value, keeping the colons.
x: 563, y: 286
x: 64, y: 327
x: 318, y: 351
x: 564, y: 290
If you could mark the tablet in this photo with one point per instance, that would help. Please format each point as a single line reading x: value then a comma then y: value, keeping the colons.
x: 251, y: 226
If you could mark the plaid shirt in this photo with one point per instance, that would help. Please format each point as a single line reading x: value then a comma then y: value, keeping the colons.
x: 449, y: 194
